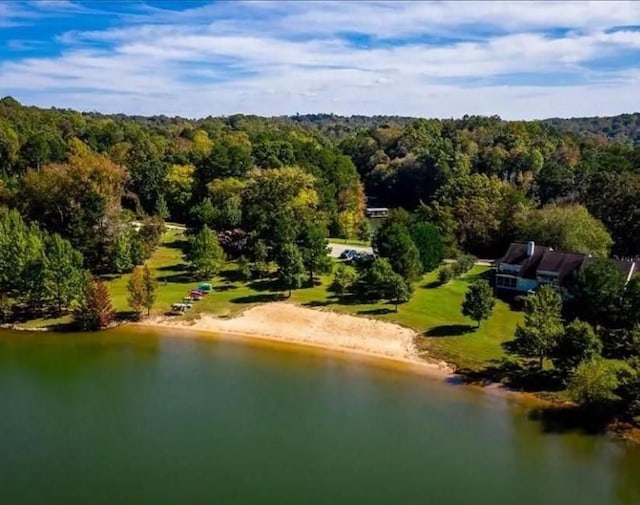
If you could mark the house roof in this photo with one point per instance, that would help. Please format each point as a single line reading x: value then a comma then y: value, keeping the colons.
x: 628, y: 268
x: 561, y: 263
x: 517, y: 255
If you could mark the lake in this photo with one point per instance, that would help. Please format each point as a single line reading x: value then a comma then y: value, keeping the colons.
x: 136, y: 417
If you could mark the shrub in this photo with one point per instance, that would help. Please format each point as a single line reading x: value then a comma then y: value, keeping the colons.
x: 244, y: 268
x: 445, y: 274
x: 463, y: 265
x: 344, y: 279
x: 593, y: 383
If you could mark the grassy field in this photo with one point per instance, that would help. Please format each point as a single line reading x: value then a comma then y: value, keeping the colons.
x: 434, y: 311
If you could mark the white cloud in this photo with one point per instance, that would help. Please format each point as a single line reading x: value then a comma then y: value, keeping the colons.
x: 212, y: 60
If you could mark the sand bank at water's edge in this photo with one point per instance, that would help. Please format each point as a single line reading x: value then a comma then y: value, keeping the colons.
x: 285, y: 322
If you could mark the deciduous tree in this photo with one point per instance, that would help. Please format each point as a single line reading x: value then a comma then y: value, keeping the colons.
x: 478, y: 301
x: 94, y: 310
x: 150, y: 284
x: 593, y: 383
x: 538, y: 336
x: 578, y: 343
x: 314, y: 248
x: 205, y: 255
x: 136, y: 290
x: 291, y: 269
x: 344, y: 279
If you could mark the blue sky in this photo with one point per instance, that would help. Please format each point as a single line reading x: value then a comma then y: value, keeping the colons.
x: 520, y: 60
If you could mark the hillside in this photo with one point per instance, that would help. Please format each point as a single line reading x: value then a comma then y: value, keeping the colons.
x: 622, y: 128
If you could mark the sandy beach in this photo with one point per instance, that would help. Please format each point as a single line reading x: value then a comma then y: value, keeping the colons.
x: 289, y: 323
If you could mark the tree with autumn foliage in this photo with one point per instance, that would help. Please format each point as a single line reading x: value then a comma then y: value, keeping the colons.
x: 141, y: 290
x: 94, y: 310
x: 135, y: 290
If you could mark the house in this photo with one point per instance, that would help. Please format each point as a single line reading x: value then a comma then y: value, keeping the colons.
x: 525, y: 266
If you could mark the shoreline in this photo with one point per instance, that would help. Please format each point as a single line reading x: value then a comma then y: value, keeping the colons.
x: 376, y: 343
x: 439, y: 370
x: 240, y: 329
x: 293, y: 325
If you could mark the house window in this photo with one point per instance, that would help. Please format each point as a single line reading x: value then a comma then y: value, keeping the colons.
x: 548, y: 279
x: 506, y: 281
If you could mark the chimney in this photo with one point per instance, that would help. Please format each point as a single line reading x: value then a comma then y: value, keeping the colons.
x: 531, y: 247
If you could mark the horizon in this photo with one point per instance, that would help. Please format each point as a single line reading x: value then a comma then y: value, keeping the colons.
x: 517, y: 60
x: 290, y: 116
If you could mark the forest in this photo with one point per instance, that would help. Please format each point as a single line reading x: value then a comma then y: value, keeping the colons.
x: 84, y: 196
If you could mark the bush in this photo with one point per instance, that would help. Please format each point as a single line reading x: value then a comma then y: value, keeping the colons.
x: 344, y: 279
x: 463, y: 265
x: 593, y: 383
x: 244, y: 268
x: 445, y: 274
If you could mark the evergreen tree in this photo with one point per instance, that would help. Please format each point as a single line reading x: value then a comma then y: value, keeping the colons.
x: 478, y: 301
x: 94, y: 310
x: 137, y: 249
x: 205, y: 255
x: 162, y: 211
x: 426, y: 238
x: 150, y: 284
x: 542, y: 328
x: 291, y: 268
x: 63, y: 271
x: 136, y: 290
x: 121, y: 260
x: 394, y: 243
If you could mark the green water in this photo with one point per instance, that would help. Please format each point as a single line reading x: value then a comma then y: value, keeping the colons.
x: 132, y: 418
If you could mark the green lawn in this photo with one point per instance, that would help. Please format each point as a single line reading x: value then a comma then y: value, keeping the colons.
x: 359, y: 243
x: 434, y: 311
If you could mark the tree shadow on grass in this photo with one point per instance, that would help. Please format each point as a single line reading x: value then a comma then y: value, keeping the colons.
x: 376, y: 312
x: 110, y: 277
x: 266, y: 285
x: 177, y: 244
x: 319, y: 303
x: 232, y: 275
x: 224, y: 287
x: 178, y: 267
x: 431, y: 285
x: 487, y: 275
x: 450, y: 330
x: 180, y: 278
x: 259, y: 298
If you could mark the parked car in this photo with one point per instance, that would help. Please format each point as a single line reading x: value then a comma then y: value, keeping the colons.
x: 348, y: 254
x: 362, y: 255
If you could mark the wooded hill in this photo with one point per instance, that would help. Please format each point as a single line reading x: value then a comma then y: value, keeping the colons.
x: 481, y: 180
